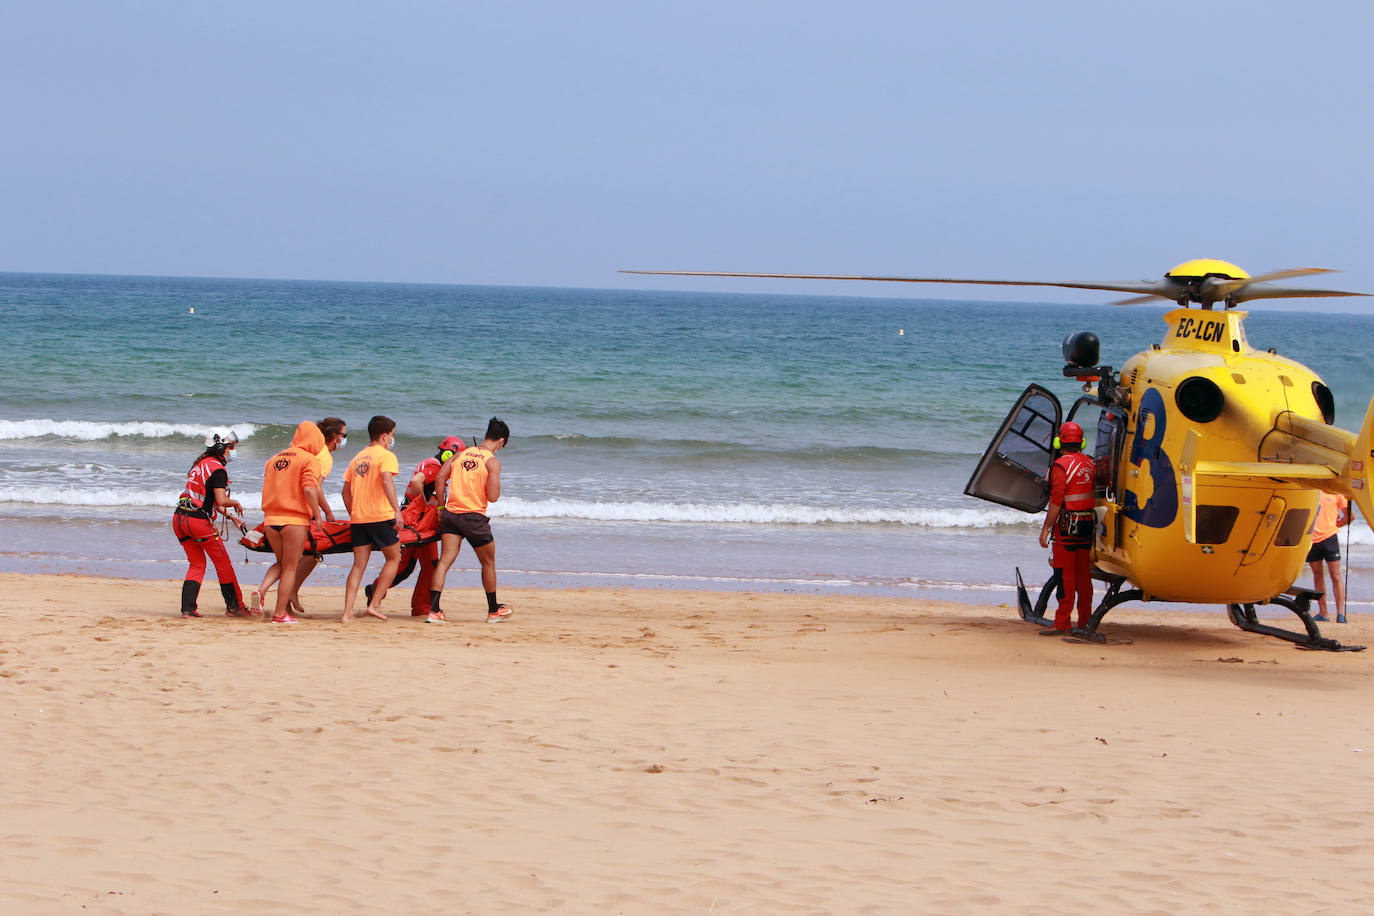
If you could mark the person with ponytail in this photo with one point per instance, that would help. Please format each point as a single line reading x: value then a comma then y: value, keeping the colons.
x: 204, y: 498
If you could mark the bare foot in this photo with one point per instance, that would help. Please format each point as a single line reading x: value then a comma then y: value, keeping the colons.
x: 346, y: 618
x: 294, y: 605
x: 373, y: 612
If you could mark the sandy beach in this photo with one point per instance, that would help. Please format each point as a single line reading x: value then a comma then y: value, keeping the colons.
x: 644, y: 751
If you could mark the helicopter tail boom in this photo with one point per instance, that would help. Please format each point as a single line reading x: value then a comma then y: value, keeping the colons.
x: 1347, y: 456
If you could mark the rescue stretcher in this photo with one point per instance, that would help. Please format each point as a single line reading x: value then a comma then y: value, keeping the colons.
x: 421, y: 523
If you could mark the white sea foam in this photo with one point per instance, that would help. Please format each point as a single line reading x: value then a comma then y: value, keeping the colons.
x: 74, y: 496
x: 758, y: 514
x: 514, y: 507
x: 91, y: 430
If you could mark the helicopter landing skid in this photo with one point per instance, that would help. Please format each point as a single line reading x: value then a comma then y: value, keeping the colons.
x: 1299, y: 601
x: 1035, y: 613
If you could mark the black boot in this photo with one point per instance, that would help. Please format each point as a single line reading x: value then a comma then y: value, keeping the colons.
x: 232, y: 608
x: 190, y: 590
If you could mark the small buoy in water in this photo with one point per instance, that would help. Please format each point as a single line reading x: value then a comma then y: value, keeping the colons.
x: 900, y: 331
x: 193, y: 310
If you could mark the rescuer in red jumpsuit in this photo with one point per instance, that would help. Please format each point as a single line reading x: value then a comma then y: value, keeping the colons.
x: 1071, y: 522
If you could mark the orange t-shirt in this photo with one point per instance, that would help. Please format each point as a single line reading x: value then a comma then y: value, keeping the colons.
x: 364, y: 476
x: 326, y: 462
x: 467, y: 481
x: 1328, y: 516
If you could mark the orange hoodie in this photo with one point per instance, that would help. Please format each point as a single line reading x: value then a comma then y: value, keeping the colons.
x: 288, y: 473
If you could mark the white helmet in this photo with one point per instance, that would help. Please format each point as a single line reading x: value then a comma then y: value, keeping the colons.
x: 219, y: 436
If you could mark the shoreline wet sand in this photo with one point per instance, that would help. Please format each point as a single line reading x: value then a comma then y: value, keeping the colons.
x: 638, y: 750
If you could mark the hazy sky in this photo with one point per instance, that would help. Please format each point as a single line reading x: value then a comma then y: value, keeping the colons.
x: 553, y: 143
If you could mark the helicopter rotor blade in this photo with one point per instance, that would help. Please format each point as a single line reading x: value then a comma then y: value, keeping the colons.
x: 1141, y: 300
x: 1216, y: 289
x: 1211, y: 290
x: 1147, y: 289
x: 1286, y: 292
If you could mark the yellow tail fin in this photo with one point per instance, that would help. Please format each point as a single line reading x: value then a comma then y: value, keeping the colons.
x: 1361, y: 461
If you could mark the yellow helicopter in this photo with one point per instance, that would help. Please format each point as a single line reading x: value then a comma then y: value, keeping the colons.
x: 1210, y: 453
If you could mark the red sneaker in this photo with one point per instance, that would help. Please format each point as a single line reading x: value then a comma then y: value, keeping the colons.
x: 284, y: 618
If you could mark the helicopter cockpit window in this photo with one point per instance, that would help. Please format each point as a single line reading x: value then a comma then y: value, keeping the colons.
x: 1214, y: 523
x: 1014, y: 471
x: 1294, y: 527
x: 1027, y: 446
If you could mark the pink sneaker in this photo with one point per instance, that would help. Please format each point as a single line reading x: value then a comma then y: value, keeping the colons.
x: 502, y: 612
x: 284, y: 618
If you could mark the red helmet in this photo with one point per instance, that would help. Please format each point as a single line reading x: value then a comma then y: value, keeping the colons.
x: 453, y: 444
x: 1071, y: 432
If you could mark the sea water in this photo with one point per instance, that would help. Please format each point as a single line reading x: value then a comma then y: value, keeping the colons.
x: 811, y: 443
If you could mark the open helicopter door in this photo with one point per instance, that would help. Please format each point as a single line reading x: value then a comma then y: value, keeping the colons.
x: 1015, y: 470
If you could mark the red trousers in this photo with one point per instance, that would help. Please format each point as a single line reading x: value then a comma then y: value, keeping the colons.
x: 1076, y: 567
x: 426, y: 554
x: 424, y: 557
x: 199, y: 539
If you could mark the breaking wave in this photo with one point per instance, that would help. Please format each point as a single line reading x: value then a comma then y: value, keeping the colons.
x: 627, y: 511
x: 757, y: 514
x: 94, y: 430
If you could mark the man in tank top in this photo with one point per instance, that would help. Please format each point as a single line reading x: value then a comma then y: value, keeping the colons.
x: 467, y: 482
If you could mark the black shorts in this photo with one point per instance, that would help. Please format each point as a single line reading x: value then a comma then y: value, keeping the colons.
x: 474, y: 527
x: 373, y: 534
x: 1329, y: 549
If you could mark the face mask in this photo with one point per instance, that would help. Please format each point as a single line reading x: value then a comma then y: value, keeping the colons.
x: 343, y: 442
x: 231, y: 454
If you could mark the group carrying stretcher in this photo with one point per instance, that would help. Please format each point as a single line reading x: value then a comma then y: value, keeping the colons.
x: 420, y: 521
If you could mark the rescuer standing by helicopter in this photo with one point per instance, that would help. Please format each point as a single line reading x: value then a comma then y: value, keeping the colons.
x: 1070, y: 520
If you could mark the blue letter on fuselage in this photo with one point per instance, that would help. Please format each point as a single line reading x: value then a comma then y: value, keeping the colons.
x: 1161, y: 508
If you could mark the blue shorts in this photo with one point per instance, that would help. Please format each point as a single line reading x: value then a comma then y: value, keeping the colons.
x: 373, y: 534
x: 1329, y: 550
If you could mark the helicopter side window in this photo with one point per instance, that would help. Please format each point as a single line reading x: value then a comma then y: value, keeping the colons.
x: 1294, y: 526
x: 1214, y: 523
x: 1326, y: 402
